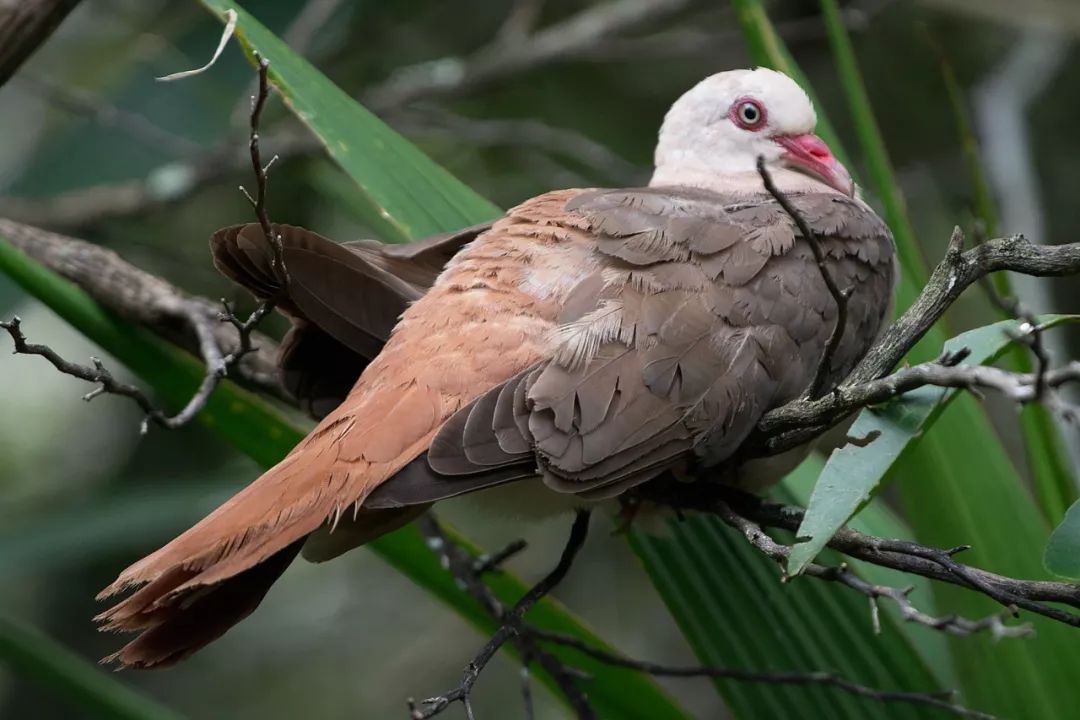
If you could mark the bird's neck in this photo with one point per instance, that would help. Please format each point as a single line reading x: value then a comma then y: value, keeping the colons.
x: 738, y: 183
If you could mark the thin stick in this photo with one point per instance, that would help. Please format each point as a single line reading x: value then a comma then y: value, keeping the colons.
x: 840, y: 296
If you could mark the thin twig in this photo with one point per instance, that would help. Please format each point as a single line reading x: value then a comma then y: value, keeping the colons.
x: 953, y: 625
x: 840, y: 295
x: 749, y: 514
x: 938, y: 700
x: 510, y: 628
x: 1030, y: 334
x: 258, y: 203
x: 488, y: 563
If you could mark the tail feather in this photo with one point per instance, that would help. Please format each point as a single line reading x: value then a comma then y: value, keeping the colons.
x: 173, y: 631
x: 213, y: 575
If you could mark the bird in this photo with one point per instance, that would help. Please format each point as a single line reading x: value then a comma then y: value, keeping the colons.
x: 586, y: 342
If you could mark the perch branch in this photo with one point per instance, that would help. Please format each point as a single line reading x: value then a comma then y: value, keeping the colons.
x: 560, y: 42
x: 143, y: 298
x: 749, y: 514
x: 952, y: 624
x: 25, y: 25
x: 801, y: 420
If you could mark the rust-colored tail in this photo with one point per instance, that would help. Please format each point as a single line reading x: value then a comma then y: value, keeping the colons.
x: 173, y: 630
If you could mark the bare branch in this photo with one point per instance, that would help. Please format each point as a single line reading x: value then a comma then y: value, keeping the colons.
x: 560, y: 42
x: 801, y: 420
x: 749, y: 514
x: 109, y: 385
x: 258, y: 203
x: 145, y: 299
x: 952, y: 624
x: 24, y: 26
x: 511, y: 628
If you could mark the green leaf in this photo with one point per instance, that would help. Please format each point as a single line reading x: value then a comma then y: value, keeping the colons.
x: 92, y: 690
x: 1062, y: 555
x: 732, y: 606
x: 855, y: 471
x: 406, y: 195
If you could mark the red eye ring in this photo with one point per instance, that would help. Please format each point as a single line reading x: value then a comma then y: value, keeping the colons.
x: 748, y: 113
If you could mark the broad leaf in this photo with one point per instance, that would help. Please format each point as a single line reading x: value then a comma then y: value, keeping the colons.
x: 854, y: 472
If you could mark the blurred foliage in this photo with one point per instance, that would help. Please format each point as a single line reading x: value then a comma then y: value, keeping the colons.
x: 347, y: 640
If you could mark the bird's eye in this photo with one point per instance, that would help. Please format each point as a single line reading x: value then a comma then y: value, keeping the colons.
x: 748, y: 114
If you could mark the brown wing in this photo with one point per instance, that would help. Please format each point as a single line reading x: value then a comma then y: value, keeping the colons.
x: 709, y: 312
x: 475, y: 329
x: 342, y: 300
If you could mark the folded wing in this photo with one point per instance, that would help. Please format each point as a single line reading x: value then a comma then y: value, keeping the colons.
x: 706, y: 312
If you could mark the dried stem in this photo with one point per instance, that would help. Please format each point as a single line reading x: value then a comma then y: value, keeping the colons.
x: 258, y: 203
x: 512, y: 625
x: 840, y: 295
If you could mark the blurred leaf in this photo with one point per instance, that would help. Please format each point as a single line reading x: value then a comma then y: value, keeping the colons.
x: 42, y: 545
x: 854, y: 472
x: 882, y: 177
x: 1049, y: 463
x: 1062, y: 555
x: 406, y: 195
x: 94, y: 691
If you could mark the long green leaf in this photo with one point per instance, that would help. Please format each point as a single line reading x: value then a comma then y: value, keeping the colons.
x: 93, y: 690
x: 406, y: 195
x: 855, y: 471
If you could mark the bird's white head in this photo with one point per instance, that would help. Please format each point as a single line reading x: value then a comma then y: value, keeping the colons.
x: 717, y: 130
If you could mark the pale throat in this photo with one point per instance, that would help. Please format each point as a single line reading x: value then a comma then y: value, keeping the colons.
x: 741, y: 182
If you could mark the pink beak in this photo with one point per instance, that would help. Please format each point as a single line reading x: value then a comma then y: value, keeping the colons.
x: 809, y: 154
